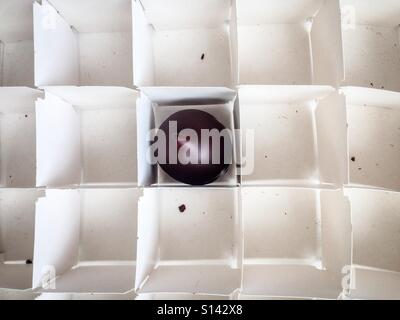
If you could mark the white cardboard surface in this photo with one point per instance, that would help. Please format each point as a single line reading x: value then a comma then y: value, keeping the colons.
x: 90, y: 139
x: 203, y: 264
x: 82, y: 264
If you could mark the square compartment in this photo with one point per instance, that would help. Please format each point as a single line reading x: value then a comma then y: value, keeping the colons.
x: 371, y: 43
x: 299, y: 136
x: 289, y: 42
x: 87, y: 136
x: 17, y: 228
x: 196, y: 251
x: 376, y: 244
x: 374, y: 138
x: 16, y: 43
x: 184, y: 43
x: 83, y: 42
x: 296, y: 242
x: 18, y: 137
x: 155, y: 105
x: 69, y: 255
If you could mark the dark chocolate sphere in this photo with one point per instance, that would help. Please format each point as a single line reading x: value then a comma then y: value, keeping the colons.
x: 204, y: 170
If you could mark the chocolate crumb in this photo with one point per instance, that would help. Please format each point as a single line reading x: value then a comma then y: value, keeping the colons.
x: 203, y: 56
x: 182, y: 208
x: 353, y: 159
x: 28, y: 261
x: 372, y: 84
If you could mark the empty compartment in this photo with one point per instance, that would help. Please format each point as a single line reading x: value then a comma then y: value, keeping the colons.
x: 17, y: 137
x: 296, y: 242
x: 156, y: 105
x: 184, y: 43
x: 85, y: 241
x: 189, y: 241
x: 86, y: 136
x: 376, y: 244
x: 299, y: 136
x: 374, y: 138
x: 371, y: 43
x: 16, y: 43
x: 289, y: 42
x: 83, y: 42
x: 17, y: 228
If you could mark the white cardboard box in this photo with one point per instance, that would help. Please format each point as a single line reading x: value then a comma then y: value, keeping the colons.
x: 376, y: 244
x: 184, y: 43
x: 289, y: 42
x: 87, y: 136
x: 17, y: 228
x: 17, y: 137
x: 371, y: 43
x: 374, y: 138
x: 296, y: 242
x: 83, y: 42
x: 16, y: 43
x: 197, y: 251
x: 85, y: 241
x: 300, y: 135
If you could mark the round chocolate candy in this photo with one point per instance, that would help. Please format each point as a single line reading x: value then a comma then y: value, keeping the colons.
x: 191, y: 160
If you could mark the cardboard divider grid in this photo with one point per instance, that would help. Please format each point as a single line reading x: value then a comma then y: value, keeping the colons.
x: 310, y: 203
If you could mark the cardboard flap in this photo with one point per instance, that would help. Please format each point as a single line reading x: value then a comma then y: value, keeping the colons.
x: 189, y: 95
x: 233, y: 30
x: 56, y: 48
x: 58, y: 143
x: 95, y: 97
x: 184, y: 14
x: 143, y: 51
x: 331, y: 128
x: 291, y: 281
x: 91, y: 16
x: 336, y: 231
x: 282, y: 94
x: 18, y: 99
x: 146, y: 122
x: 371, y: 97
x: 148, y: 236
x: 96, y: 279
x: 56, y: 235
x: 327, y: 51
x: 200, y: 279
x: 370, y: 284
x: 255, y: 12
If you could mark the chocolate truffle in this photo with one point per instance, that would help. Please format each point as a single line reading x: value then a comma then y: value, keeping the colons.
x: 205, y: 169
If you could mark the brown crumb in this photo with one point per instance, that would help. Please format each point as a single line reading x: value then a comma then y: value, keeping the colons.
x: 203, y: 56
x: 182, y: 208
x: 353, y: 159
x: 29, y: 261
